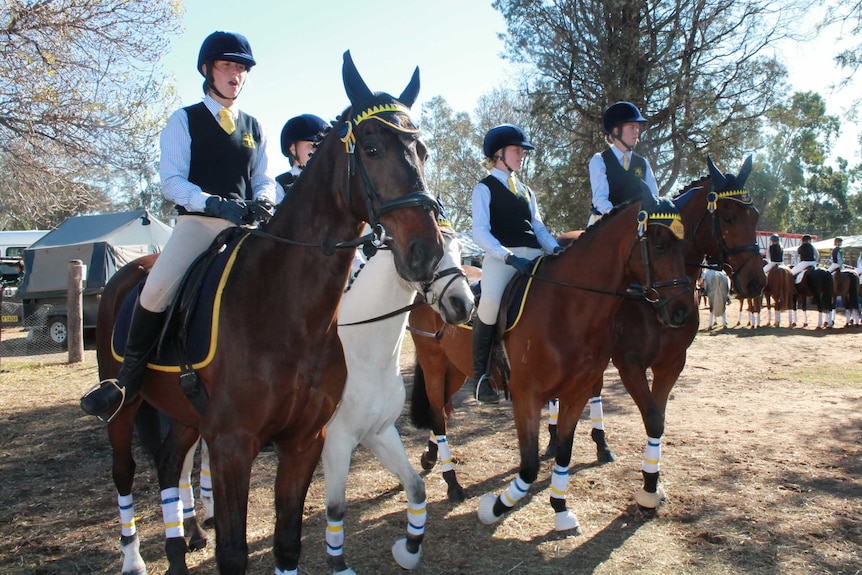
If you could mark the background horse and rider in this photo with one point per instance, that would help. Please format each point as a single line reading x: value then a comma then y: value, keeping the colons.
x: 720, y: 223
x: 277, y: 370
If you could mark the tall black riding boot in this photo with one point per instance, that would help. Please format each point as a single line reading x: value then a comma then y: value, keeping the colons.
x: 105, y: 399
x: 483, y: 342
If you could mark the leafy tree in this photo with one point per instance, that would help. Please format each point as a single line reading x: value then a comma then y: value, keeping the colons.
x: 454, y: 165
x: 697, y: 70
x: 81, y: 102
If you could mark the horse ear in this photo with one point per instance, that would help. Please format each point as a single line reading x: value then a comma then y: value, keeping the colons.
x: 718, y: 179
x: 356, y: 88
x: 408, y: 96
x: 744, y: 172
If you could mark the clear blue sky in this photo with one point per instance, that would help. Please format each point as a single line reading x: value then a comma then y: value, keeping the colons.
x: 299, y: 47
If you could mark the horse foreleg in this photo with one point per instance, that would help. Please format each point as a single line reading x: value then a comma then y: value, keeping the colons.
x: 123, y: 469
x: 206, y: 487
x: 564, y: 518
x: 231, y: 457
x: 170, y: 463
x: 197, y: 537
x: 295, y: 469
x: 528, y: 414
x: 597, y: 421
x: 336, y: 466
x: 389, y: 449
x: 553, y: 414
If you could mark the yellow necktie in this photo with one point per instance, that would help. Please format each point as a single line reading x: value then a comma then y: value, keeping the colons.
x: 625, y: 161
x: 225, y: 120
x: 513, y: 187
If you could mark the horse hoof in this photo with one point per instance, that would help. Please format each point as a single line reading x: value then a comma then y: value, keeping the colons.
x: 486, y: 509
x: 427, y: 463
x: 455, y: 493
x: 649, y: 500
x: 403, y: 557
x: 605, y: 456
x: 133, y: 563
x: 567, y: 521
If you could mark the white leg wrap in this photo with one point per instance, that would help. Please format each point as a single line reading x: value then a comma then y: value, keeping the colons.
x: 516, y: 491
x: 286, y: 571
x: 443, y: 453
x: 127, y: 514
x: 334, y: 538
x: 652, y: 455
x: 709, y: 322
x: 187, y: 496
x: 416, y: 516
x: 597, y: 414
x: 559, y: 481
x: 553, y: 411
x: 206, y: 483
x: 172, y: 512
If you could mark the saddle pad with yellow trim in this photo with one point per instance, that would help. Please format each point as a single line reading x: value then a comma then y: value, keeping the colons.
x: 201, y: 339
x: 515, y: 296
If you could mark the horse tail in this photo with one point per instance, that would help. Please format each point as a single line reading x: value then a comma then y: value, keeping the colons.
x: 148, y: 428
x: 852, y: 292
x: 420, y: 407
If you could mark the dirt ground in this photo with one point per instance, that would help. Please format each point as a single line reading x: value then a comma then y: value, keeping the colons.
x: 762, y: 464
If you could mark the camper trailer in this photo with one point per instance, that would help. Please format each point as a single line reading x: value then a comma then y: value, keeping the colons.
x: 14, y: 242
x: 103, y: 243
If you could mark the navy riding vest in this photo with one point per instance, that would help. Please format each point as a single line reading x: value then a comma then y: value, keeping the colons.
x: 624, y: 185
x: 511, y: 218
x: 220, y: 162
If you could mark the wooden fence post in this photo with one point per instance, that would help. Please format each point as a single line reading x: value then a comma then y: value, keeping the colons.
x: 75, y: 312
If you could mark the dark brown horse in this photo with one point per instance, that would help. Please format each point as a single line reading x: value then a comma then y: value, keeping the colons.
x: 278, y: 370
x: 846, y: 286
x: 817, y: 285
x: 778, y: 295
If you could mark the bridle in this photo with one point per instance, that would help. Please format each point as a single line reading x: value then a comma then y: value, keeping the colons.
x: 741, y: 197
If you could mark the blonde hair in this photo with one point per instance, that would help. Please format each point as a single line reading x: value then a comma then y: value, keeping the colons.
x: 488, y: 163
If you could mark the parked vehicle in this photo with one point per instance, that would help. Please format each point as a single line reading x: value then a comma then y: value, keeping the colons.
x: 104, y: 243
x: 14, y: 242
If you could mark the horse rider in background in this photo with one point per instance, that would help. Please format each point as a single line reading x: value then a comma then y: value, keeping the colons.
x: 616, y: 172
x: 508, y: 226
x: 808, y: 257
x: 775, y: 254
x: 837, y: 256
x: 299, y: 139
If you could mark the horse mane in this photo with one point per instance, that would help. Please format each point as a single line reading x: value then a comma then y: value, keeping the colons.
x: 604, y: 220
x: 692, y: 184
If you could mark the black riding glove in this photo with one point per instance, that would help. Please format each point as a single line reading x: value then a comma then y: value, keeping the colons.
x: 259, y: 210
x: 557, y: 250
x: 231, y: 210
x: 523, y: 265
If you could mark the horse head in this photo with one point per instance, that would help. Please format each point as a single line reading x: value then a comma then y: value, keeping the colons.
x: 387, y: 186
x: 449, y: 292
x: 731, y: 238
x: 661, y: 267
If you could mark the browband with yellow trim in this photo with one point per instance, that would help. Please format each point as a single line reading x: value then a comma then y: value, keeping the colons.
x: 393, y: 115
x: 741, y: 196
x: 669, y: 220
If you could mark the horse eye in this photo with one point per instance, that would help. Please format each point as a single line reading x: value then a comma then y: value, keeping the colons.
x: 370, y: 151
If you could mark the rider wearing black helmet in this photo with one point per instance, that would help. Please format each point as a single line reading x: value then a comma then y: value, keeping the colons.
x: 808, y: 257
x: 299, y: 138
x: 615, y: 173
x: 775, y: 255
x: 837, y: 256
x: 213, y: 163
x: 507, y: 225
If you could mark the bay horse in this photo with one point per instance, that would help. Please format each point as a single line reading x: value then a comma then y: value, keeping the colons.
x: 817, y: 284
x: 720, y: 222
x: 560, y: 343
x: 279, y: 372
x: 778, y: 294
x: 846, y: 286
